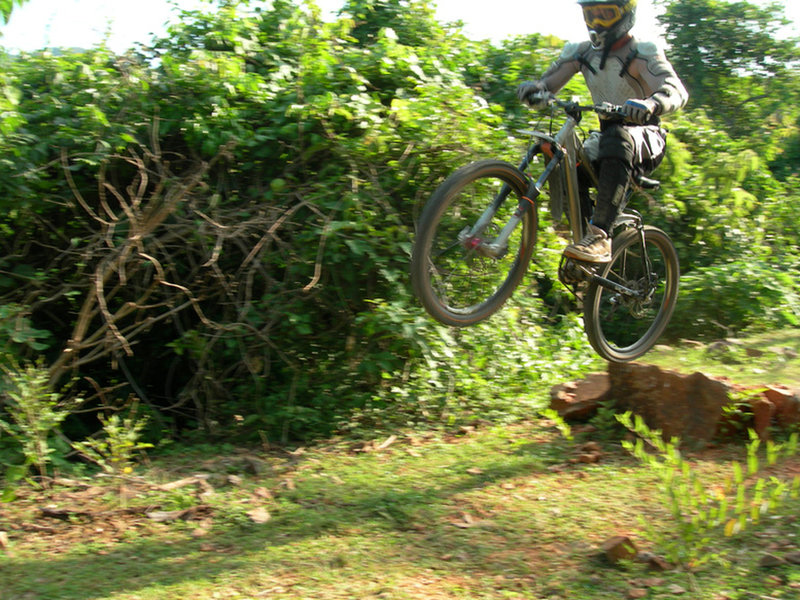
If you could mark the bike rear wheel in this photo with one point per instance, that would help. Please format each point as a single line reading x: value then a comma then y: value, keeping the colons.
x: 621, y: 327
x: 456, y: 277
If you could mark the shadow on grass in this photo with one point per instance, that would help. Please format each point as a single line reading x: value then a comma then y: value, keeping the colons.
x: 396, y: 506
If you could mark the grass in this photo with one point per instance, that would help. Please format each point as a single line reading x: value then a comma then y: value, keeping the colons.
x: 776, y: 358
x: 496, y: 513
x: 481, y: 513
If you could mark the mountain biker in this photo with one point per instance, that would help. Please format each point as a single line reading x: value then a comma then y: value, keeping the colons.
x: 621, y: 70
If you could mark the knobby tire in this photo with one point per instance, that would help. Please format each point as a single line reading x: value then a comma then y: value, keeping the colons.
x: 619, y: 328
x: 455, y: 283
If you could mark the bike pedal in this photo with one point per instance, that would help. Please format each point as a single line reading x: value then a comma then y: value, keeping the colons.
x: 572, y: 272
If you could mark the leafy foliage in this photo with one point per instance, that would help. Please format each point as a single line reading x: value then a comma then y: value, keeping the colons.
x: 116, y: 450
x: 35, y: 413
x: 734, y: 58
x: 698, y: 510
x: 747, y: 294
x: 219, y: 224
x: 6, y: 7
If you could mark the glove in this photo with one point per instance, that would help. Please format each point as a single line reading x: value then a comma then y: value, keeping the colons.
x: 640, y: 111
x: 531, y: 92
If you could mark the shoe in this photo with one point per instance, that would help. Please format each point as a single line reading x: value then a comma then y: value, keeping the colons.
x: 595, y: 247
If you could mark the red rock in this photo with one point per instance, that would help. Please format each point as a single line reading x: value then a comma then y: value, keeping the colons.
x: 589, y: 458
x: 686, y: 406
x: 787, y: 404
x: 689, y: 407
x: 619, y: 548
x: 763, y: 410
x: 580, y: 400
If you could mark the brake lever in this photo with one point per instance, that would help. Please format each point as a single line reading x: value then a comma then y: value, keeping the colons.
x: 610, y: 111
x: 540, y: 99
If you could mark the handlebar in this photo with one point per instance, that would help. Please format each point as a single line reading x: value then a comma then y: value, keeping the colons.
x: 604, y: 109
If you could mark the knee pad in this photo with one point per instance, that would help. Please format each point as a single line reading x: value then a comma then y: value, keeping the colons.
x: 617, y: 143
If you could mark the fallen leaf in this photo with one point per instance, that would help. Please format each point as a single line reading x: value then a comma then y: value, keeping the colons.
x: 4, y: 545
x: 654, y: 562
x: 165, y: 516
x: 63, y: 514
x: 203, y: 528
x: 259, y: 515
x: 793, y: 557
x: 263, y: 493
x: 186, y: 481
x: 770, y: 560
x: 389, y: 441
x: 466, y: 521
x: 676, y: 589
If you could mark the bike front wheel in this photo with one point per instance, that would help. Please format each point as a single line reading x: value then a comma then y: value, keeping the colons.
x: 458, y: 273
x: 622, y: 327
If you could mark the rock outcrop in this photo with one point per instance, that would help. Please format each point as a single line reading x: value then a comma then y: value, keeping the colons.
x: 691, y: 407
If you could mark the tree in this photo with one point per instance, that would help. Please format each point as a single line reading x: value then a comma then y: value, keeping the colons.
x: 732, y: 54
x: 412, y: 20
x: 220, y: 223
x: 228, y: 225
x: 6, y: 6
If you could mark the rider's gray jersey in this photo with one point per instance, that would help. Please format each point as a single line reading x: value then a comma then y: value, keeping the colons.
x: 637, y: 70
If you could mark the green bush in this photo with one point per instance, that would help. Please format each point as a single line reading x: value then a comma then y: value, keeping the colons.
x: 700, y: 512
x: 721, y: 300
x: 220, y: 223
x: 34, y: 414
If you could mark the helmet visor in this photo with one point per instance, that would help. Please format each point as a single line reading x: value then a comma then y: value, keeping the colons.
x: 601, y: 16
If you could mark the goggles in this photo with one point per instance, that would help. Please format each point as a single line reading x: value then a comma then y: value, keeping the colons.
x: 601, y: 15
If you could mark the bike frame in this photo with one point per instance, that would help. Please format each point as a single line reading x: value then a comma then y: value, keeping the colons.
x: 565, y: 150
x: 564, y: 145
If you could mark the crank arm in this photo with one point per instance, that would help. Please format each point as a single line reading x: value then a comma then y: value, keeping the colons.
x: 614, y: 286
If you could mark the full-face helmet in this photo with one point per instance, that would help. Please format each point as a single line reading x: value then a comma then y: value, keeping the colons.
x: 608, y: 21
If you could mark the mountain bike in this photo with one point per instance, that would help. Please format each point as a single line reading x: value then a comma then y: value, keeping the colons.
x: 477, y: 233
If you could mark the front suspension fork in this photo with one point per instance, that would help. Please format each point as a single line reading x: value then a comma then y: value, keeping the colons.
x: 471, y: 239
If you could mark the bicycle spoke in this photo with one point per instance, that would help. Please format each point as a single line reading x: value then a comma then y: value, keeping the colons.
x: 459, y: 276
x: 624, y: 326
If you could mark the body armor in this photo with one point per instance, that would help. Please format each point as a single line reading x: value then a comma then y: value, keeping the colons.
x: 634, y: 70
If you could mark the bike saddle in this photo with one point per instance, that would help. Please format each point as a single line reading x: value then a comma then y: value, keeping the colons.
x: 646, y: 183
